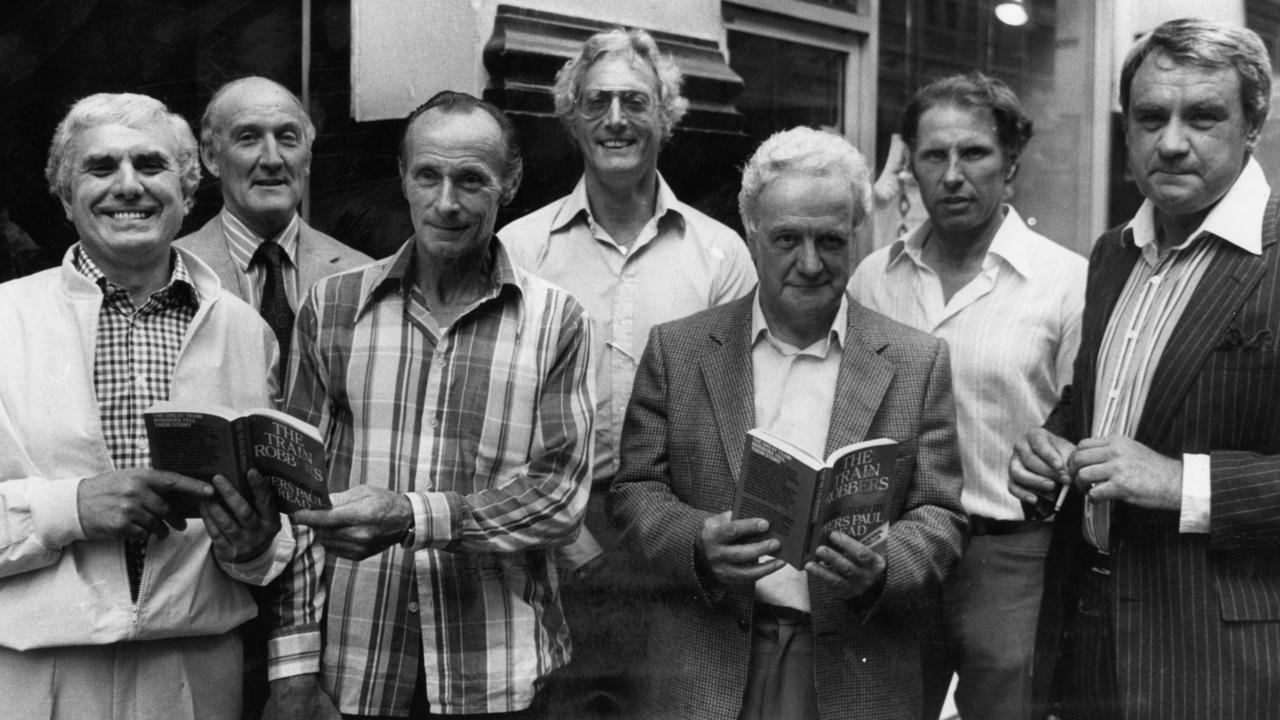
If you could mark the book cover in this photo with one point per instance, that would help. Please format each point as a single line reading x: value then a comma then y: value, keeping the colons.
x: 804, y: 498
x: 206, y: 440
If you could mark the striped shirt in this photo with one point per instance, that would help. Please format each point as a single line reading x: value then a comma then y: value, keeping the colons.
x: 1153, y: 300
x: 486, y: 425
x: 1013, y: 330
x: 242, y: 243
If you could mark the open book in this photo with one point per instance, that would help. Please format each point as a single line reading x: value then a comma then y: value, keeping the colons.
x: 805, y: 498
x: 204, y: 440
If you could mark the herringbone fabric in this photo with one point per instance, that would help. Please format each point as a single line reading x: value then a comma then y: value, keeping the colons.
x: 682, y: 451
x: 1196, y: 616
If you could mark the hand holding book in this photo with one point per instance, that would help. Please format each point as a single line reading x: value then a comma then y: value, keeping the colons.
x: 848, y: 566
x: 241, y: 526
x: 730, y: 550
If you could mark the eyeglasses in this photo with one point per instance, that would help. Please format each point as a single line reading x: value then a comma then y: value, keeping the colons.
x: 635, y: 104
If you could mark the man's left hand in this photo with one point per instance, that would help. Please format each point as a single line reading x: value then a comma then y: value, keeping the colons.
x: 241, y: 529
x: 363, y: 521
x: 299, y: 698
x: 847, y: 566
x: 1121, y: 468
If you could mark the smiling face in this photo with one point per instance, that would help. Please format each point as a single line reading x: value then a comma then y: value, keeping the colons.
x: 260, y: 154
x: 625, y: 138
x: 1187, y: 135
x: 451, y: 175
x: 803, y: 251
x: 125, y: 196
x: 962, y: 171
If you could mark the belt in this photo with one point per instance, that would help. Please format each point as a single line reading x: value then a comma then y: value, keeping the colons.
x: 979, y: 525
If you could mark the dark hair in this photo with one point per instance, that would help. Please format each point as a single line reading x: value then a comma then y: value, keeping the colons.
x: 1192, y: 41
x: 460, y: 103
x: 972, y: 90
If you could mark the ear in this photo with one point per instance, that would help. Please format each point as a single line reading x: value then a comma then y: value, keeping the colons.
x: 66, y: 208
x: 1251, y: 138
x: 1011, y: 169
x: 210, y: 159
x: 509, y: 192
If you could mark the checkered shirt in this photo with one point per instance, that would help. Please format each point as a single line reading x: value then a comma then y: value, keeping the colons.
x: 137, y: 349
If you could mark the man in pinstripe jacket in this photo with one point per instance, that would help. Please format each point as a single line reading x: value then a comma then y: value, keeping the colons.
x: 1162, y: 595
x: 747, y: 636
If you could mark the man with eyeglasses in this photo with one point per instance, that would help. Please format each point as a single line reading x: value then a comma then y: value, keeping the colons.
x: 635, y: 256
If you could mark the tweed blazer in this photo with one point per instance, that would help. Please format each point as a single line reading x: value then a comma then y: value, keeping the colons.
x: 682, y: 448
x: 1196, y: 616
x: 319, y: 256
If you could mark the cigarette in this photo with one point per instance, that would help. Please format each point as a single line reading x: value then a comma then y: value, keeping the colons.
x: 1062, y: 498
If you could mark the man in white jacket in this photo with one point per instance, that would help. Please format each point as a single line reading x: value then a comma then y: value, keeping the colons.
x: 114, y: 606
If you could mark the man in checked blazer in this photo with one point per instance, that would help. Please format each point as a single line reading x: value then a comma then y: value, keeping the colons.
x: 747, y: 636
x: 1162, y: 595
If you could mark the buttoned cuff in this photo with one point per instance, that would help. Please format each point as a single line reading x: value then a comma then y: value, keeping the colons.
x: 1196, y: 492
x: 55, y: 514
x: 437, y: 519
x: 269, y: 563
x: 295, y: 652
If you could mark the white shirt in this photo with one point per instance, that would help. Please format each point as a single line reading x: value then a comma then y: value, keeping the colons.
x: 794, y: 390
x: 1013, y: 332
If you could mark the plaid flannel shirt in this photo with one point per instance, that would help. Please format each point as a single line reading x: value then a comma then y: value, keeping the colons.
x: 486, y: 425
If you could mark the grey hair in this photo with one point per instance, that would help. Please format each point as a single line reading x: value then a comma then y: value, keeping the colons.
x: 1209, y: 44
x: 634, y: 44
x: 130, y: 110
x: 803, y: 151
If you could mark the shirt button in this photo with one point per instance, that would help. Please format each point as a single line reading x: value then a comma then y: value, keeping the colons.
x: 413, y: 607
x: 433, y: 422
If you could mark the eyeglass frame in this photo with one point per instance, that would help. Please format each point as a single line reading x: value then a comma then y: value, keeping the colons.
x: 618, y: 94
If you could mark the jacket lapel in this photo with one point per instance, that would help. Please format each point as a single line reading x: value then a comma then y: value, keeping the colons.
x: 863, y: 379
x: 1231, y: 277
x: 726, y: 370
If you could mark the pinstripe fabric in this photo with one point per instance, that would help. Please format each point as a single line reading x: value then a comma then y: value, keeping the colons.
x: 1196, y: 617
x: 487, y: 423
x: 242, y: 243
x: 1154, y: 298
x: 682, y: 450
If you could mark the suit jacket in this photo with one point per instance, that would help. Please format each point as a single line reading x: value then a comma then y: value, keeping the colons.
x: 319, y: 256
x: 1195, y: 616
x: 682, y: 448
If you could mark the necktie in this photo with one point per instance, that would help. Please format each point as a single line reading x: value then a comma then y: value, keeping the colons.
x: 275, y: 303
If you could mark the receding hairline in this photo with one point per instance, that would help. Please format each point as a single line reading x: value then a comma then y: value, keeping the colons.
x: 217, y: 108
x: 498, y: 136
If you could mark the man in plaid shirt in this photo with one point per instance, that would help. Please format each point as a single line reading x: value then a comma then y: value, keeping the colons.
x: 115, y: 606
x: 454, y: 394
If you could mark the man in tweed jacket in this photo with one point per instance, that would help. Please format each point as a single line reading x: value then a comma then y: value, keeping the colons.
x: 747, y: 636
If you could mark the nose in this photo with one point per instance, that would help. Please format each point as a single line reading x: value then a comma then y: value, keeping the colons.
x: 809, y: 261
x: 1173, y: 139
x: 953, y: 176
x: 446, y: 201
x: 615, y: 118
x: 127, y: 181
x: 271, y: 151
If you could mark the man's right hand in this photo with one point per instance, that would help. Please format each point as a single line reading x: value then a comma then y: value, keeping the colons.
x: 726, y: 548
x: 134, y: 503
x: 1039, y: 465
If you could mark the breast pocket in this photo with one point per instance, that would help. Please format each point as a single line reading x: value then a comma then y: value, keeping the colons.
x: 1248, y: 586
